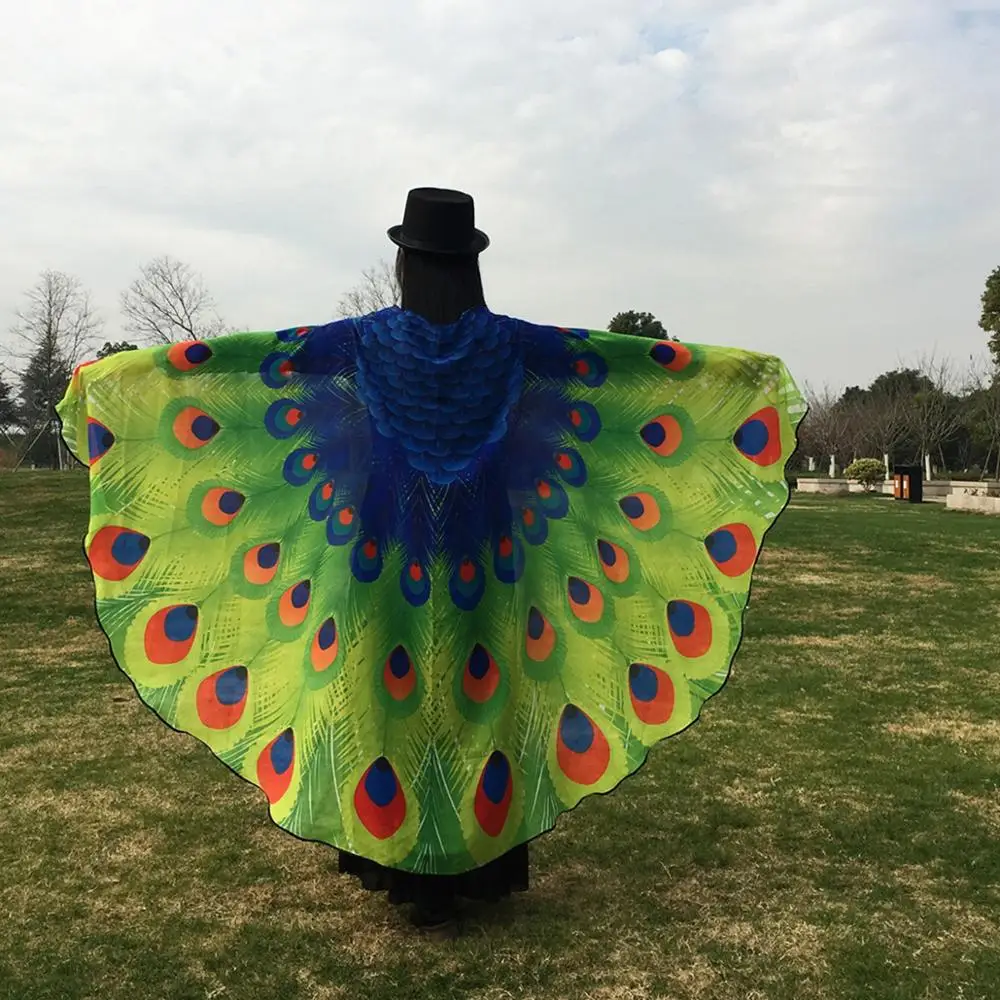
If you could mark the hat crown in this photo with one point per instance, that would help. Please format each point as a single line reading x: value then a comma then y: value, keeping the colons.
x: 439, y: 220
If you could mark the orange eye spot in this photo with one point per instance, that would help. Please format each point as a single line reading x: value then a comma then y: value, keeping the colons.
x: 614, y: 561
x: 690, y: 628
x: 663, y: 435
x: 540, y: 638
x: 585, y: 600
x: 641, y: 510
x: 220, y: 505
x: 294, y: 604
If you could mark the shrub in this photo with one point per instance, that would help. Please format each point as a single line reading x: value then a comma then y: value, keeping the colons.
x: 972, y: 473
x: 867, y: 471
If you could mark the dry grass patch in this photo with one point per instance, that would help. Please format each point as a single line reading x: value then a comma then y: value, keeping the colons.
x: 745, y: 792
x: 73, y: 805
x: 854, y: 645
x: 25, y: 563
x: 81, y: 736
x: 933, y: 893
x: 802, y: 715
x: 620, y: 991
x: 843, y: 799
x: 812, y: 579
x: 957, y: 729
x: 978, y: 550
x: 772, y: 555
x: 982, y: 807
x: 827, y: 611
x: 923, y: 583
x: 311, y: 988
x: 55, y: 646
x: 776, y: 937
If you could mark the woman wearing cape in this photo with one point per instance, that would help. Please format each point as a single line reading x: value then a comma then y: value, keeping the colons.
x: 430, y: 576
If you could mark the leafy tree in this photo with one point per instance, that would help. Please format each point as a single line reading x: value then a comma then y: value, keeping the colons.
x: 115, y: 347
x: 43, y: 384
x: 867, y: 471
x: 9, y: 414
x: 169, y: 302
x: 990, y: 318
x: 638, y: 324
x: 984, y: 417
x: 902, y: 382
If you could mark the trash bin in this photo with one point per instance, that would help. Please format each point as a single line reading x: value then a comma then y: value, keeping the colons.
x: 908, y: 483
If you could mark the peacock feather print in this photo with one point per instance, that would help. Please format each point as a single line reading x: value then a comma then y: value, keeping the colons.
x: 428, y: 587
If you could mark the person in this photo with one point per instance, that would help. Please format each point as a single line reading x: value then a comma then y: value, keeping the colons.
x: 439, y: 279
x: 430, y: 576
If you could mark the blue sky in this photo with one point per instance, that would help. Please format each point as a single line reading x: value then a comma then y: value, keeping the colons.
x: 812, y: 178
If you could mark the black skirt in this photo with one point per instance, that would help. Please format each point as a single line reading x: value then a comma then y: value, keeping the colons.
x: 491, y: 882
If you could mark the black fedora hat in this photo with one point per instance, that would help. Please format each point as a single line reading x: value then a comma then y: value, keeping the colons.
x: 439, y: 220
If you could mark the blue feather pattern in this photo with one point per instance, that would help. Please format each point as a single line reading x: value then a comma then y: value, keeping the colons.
x: 436, y: 435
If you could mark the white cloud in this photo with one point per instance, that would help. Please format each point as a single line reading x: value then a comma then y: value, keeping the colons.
x: 809, y: 177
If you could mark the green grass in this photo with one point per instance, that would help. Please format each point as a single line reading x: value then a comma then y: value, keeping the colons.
x: 830, y: 829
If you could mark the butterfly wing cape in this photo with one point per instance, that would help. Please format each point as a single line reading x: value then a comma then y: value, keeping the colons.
x: 429, y: 587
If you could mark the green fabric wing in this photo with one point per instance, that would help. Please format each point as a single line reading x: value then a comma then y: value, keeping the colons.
x: 240, y: 595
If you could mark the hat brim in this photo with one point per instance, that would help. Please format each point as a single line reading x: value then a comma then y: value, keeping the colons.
x: 479, y: 242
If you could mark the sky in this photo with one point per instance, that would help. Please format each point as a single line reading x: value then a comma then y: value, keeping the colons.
x: 815, y: 179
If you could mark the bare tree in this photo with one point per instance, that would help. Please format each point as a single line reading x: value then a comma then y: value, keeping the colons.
x: 58, y: 317
x: 827, y: 429
x: 54, y: 331
x: 378, y: 289
x: 856, y: 429
x: 937, y: 412
x: 885, y: 416
x: 169, y: 302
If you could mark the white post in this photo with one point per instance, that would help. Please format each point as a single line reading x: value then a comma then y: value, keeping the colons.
x: 833, y: 466
x: 888, y: 470
x: 927, y: 466
x: 812, y: 464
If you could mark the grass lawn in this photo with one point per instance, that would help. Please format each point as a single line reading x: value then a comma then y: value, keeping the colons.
x: 830, y: 829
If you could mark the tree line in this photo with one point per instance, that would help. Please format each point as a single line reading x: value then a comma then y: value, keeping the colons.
x: 928, y: 411
x: 57, y: 327
x: 934, y: 412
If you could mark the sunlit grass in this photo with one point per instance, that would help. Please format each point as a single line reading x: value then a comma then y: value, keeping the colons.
x: 831, y: 828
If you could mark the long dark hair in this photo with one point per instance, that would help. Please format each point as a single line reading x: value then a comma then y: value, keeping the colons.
x: 439, y: 287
